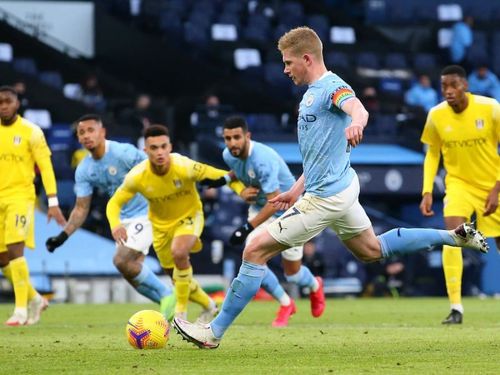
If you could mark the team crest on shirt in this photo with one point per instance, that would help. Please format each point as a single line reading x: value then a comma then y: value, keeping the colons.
x: 251, y: 173
x: 17, y: 140
x: 112, y: 170
x: 177, y: 183
x: 309, y: 100
x: 480, y: 123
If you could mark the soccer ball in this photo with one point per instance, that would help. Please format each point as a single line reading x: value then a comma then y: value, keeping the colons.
x: 147, y: 329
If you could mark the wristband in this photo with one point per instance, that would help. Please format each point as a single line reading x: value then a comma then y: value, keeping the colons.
x: 228, y: 179
x: 53, y: 202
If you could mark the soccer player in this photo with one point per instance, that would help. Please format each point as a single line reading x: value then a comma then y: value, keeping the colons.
x: 331, y: 120
x: 465, y: 129
x: 104, y: 169
x: 167, y: 181
x: 22, y: 144
x: 265, y: 174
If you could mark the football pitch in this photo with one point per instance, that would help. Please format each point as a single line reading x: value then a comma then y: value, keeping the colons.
x: 354, y: 336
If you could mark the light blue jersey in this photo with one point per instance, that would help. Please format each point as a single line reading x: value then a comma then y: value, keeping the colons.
x: 263, y: 168
x: 107, y: 175
x: 322, y: 141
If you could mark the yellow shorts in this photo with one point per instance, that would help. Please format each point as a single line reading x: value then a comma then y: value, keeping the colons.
x: 17, y: 223
x: 464, y: 201
x: 162, y: 238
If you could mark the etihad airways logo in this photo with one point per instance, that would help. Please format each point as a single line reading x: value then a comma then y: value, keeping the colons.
x: 465, y: 143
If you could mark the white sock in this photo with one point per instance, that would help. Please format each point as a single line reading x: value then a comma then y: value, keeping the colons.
x: 285, y: 300
x: 458, y: 307
x: 315, y: 286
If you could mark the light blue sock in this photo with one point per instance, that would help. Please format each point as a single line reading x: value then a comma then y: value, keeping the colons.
x: 405, y: 241
x: 149, y: 285
x: 242, y: 290
x: 271, y: 284
x: 303, y: 278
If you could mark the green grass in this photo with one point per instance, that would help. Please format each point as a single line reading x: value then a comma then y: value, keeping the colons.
x: 359, y: 336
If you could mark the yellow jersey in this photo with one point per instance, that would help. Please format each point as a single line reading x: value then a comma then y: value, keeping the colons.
x: 468, y: 141
x: 23, y: 144
x: 171, y: 197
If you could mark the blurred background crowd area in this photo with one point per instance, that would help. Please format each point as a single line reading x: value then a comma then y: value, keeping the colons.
x: 189, y: 64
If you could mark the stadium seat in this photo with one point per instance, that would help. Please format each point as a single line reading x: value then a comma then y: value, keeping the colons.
x: 246, y: 57
x: 375, y: 11
x: 52, y: 78
x: 426, y: 12
x: 449, y: 12
x: 274, y: 76
x: 25, y: 65
x: 256, y: 34
x: 6, y: 52
x: 424, y: 62
x: 73, y: 91
x: 337, y: 60
x: 195, y: 34
x: 367, y: 60
x: 342, y: 35
x: 395, y: 60
x: 39, y: 116
x: 320, y: 24
x: 401, y: 12
x: 224, y: 32
x: 263, y: 123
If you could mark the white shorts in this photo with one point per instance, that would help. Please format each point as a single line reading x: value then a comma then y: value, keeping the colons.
x: 139, y: 234
x: 311, y: 214
x: 291, y: 254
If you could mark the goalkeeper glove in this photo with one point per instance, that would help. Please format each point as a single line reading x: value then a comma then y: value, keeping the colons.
x: 53, y: 243
x: 240, y: 235
x: 208, y: 182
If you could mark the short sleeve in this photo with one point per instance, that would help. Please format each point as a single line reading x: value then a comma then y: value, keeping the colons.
x: 83, y: 187
x: 39, y: 146
x: 430, y: 134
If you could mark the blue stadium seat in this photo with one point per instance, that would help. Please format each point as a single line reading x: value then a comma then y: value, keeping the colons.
x: 274, y: 76
x: 320, y: 24
x: 424, y: 62
x: 291, y: 14
x: 256, y: 34
x: 476, y: 54
x: 386, y: 125
x: 229, y: 18
x: 368, y: 60
x: 52, y: 78
x: 234, y: 7
x: 259, y: 20
x: 480, y: 39
x: 170, y: 22
x: 61, y: 160
x: 25, y: 65
x: 395, y: 60
x: 337, y: 60
x: 401, y: 12
x: 263, y: 123
x: 392, y: 86
x: 376, y: 11
x: 60, y: 137
x: 195, y: 34
x: 65, y: 192
x: 425, y: 11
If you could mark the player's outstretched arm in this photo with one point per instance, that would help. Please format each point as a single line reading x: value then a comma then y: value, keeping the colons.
x: 54, y: 212
x: 75, y: 221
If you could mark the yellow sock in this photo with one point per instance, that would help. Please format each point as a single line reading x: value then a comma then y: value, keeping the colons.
x: 182, y: 279
x: 20, y: 280
x: 198, y: 295
x: 7, y: 272
x: 453, y: 267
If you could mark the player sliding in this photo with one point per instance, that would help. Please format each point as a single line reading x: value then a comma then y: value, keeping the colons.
x: 331, y: 120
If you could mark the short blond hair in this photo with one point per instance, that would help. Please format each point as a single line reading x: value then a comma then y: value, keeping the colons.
x: 300, y: 41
